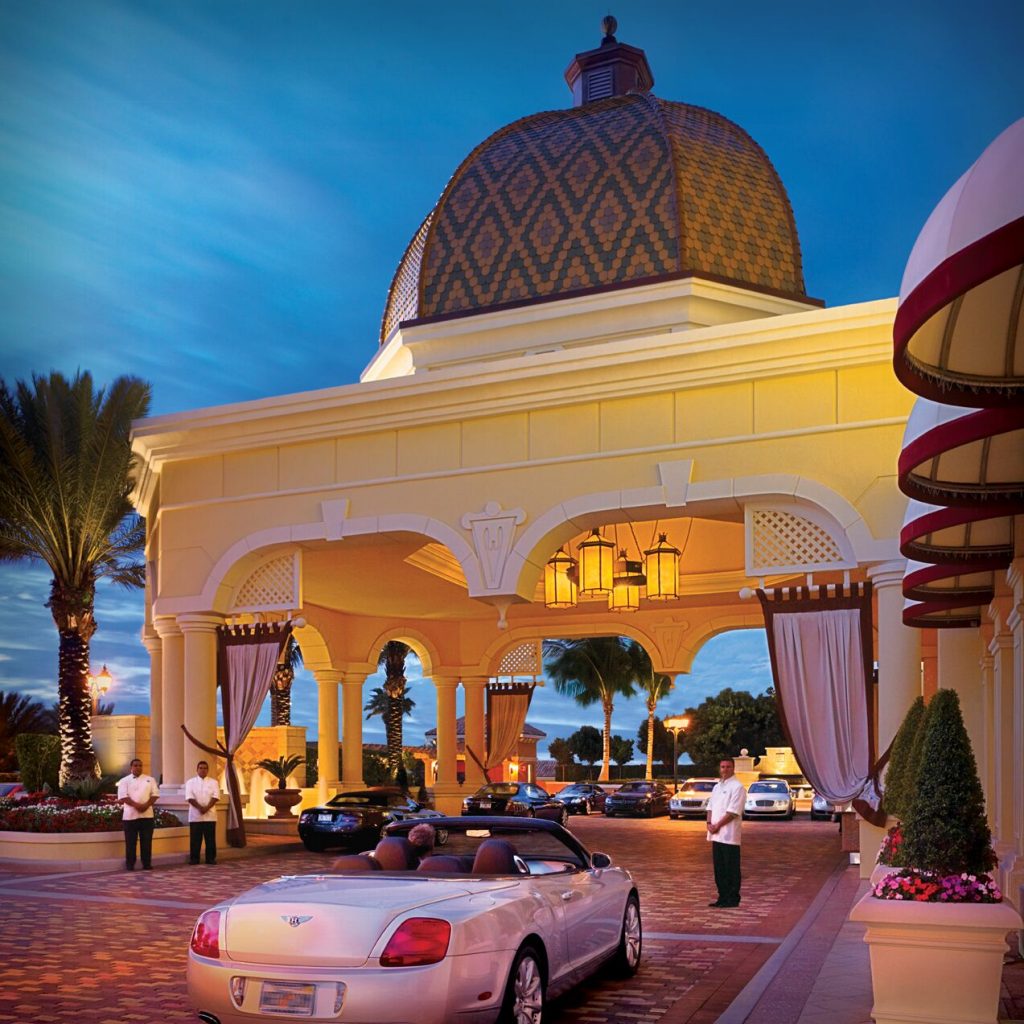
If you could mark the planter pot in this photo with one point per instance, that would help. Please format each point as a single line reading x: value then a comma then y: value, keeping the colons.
x: 283, y: 800
x: 935, y: 963
x: 76, y: 847
x: 879, y: 871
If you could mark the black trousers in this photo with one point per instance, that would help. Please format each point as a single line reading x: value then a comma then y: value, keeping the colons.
x: 138, y: 831
x: 726, y: 859
x: 197, y: 832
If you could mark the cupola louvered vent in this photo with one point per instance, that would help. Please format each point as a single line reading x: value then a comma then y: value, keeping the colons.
x: 599, y: 84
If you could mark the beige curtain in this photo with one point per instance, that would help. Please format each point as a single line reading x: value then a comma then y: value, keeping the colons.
x: 507, y: 704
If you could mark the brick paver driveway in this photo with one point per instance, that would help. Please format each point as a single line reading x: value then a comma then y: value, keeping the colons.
x: 110, y: 948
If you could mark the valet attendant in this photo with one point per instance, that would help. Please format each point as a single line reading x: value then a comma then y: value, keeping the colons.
x: 725, y: 821
x: 202, y: 794
x: 137, y: 793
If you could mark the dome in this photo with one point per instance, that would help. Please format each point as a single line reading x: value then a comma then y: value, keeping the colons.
x: 618, y: 191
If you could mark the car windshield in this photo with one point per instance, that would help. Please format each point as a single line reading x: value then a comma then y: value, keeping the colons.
x: 769, y: 787
x: 637, y: 787
x: 699, y: 785
x: 359, y: 800
x: 528, y: 843
x: 573, y: 791
x: 498, y: 789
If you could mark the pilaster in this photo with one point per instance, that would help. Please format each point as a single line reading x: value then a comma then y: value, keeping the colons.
x: 152, y: 643
x: 327, y: 682
x: 172, y: 742
x: 447, y: 792
x: 352, y: 731
x: 200, y: 657
x: 476, y: 691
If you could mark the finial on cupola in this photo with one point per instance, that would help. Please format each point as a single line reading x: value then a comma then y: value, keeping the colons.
x: 613, y: 69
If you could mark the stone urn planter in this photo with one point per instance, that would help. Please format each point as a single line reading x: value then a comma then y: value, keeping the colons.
x: 282, y: 800
x: 935, y: 962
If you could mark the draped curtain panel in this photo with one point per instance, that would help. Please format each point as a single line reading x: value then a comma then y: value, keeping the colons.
x: 246, y: 659
x: 821, y: 654
x: 507, y: 705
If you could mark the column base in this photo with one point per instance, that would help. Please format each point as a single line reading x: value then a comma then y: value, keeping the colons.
x: 448, y: 798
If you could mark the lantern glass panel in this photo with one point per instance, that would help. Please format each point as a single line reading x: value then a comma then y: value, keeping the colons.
x: 560, y: 589
x: 596, y: 563
x: 662, y: 566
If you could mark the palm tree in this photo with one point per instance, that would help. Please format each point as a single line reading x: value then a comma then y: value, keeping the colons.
x: 592, y: 670
x: 655, y: 686
x: 65, y: 478
x: 19, y: 714
x: 381, y: 704
x: 392, y: 659
x: 281, y: 686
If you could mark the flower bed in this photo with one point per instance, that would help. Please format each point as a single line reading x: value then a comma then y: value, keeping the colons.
x: 47, y: 814
x: 926, y: 887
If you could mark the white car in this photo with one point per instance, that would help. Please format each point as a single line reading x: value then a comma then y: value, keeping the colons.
x: 509, y: 913
x: 691, y: 798
x: 770, y: 798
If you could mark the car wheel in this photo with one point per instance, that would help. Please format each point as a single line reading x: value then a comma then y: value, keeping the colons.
x: 631, y: 942
x: 524, y: 992
x: 314, y: 844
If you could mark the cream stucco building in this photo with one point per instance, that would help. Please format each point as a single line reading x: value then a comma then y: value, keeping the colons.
x: 602, y: 323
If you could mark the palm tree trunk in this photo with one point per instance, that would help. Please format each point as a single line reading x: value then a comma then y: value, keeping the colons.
x: 393, y: 728
x: 650, y: 741
x: 281, y: 696
x: 607, y: 754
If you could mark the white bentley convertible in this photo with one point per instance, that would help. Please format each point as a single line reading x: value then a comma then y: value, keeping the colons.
x: 507, y: 914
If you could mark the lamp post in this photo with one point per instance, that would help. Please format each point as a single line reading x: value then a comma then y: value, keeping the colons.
x: 98, y: 686
x: 675, y: 725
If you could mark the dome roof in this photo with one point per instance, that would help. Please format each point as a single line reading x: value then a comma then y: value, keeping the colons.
x: 626, y: 190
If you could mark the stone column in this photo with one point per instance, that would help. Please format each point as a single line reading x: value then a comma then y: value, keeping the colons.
x: 987, y: 765
x: 327, y: 682
x: 200, y: 633
x: 959, y: 651
x: 476, y: 691
x: 899, y: 653
x: 447, y: 793
x: 352, y: 736
x: 1013, y: 879
x: 172, y: 742
x: 1006, y: 769
x: 151, y: 641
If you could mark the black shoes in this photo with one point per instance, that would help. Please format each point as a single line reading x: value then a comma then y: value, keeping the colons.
x: 717, y: 903
x: 723, y: 906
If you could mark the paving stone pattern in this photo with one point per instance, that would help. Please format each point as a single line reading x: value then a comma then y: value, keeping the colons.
x: 110, y: 947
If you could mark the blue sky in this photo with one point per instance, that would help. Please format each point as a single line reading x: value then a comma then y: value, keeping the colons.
x: 214, y: 196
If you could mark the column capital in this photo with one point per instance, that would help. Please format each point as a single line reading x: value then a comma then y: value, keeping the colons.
x: 151, y: 641
x: 166, y: 626
x: 199, y: 622
x: 472, y: 682
x: 445, y: 682
x: 887, y: 574
x: 328, y: 676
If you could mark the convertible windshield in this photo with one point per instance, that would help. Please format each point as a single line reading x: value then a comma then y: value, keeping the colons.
x: 768, y: 787
x: 498, y: 789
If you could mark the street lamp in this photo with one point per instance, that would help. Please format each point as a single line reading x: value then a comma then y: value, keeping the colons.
x: 675, y: 725
x: 98, y: 686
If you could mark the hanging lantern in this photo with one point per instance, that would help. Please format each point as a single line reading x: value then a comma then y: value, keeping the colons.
x: 560, y: 589
x: 662, y: 570
x: 627, y: 579
x: 596, y: 565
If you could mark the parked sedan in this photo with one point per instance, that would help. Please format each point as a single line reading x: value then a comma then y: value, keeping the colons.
x: 516, y: 799
x: 638, y: 798
x: 517, y: 913
x: 582, y: 798
x: 355, y: 821
x: 770, y: 798
x: 692, y: 799
x: 822, y: 810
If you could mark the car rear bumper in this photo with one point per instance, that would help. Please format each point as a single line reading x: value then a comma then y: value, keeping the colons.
x: 441, y: 993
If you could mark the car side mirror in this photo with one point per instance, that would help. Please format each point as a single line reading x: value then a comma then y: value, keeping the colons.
x: 600, y: 860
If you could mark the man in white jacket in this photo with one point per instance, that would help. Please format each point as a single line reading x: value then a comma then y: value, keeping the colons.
x: 725, y: 821
x: 202, y: 794
x: 137, y: 793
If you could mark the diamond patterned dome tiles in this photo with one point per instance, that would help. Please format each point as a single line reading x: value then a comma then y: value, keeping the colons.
x: 620, y: 191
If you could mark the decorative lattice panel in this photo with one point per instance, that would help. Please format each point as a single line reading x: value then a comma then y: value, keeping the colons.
x: 523, y: 660
x: 781, y: 541
x: 273, y: 586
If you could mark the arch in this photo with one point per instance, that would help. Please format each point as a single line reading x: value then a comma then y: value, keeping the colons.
x: 243, y: 557
x: 422, y: 646
x: 709, y: 629
x: 558, y: 524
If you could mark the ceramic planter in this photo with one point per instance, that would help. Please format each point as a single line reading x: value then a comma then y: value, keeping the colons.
x: 283, y: 800
x: 935, y: 963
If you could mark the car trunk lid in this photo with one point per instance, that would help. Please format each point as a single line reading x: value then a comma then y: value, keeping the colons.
x: 330, y: 921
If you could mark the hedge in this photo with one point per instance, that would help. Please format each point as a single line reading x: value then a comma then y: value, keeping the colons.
x: 38, y: 760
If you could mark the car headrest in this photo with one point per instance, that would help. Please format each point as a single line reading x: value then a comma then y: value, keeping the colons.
x: 396, y: 853
x: 350, y: 863
x: 495, y: 857
x: 444, y: 864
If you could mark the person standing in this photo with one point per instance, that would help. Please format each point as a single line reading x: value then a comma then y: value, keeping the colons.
x: 202, y: 794
x: 725, y: 820
x: 136, y: 793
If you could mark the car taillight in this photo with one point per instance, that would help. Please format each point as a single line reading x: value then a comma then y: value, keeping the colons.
x: 206, y: 935
x: 418, y: 941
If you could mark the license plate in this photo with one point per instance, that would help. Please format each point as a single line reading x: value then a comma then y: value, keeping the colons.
x: 290, y: 999
x: 325, y: 817
x: 485, y: 805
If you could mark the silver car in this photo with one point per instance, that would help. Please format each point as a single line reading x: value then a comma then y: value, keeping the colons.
x: 770, y: 798
x: 508, y: 913
x: 691, y: 799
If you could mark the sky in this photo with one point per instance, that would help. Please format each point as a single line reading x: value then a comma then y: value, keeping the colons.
x: 214, y: 195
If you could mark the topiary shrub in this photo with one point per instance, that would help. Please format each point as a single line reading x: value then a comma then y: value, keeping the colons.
x: 901, y: 776
x: 38, y: 760
x: 945, y: 831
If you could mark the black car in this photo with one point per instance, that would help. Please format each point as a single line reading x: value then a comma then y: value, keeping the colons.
x: 582, y: 798
x: 638, y: 798
x: 354, y: 821
x: 518, y: 799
